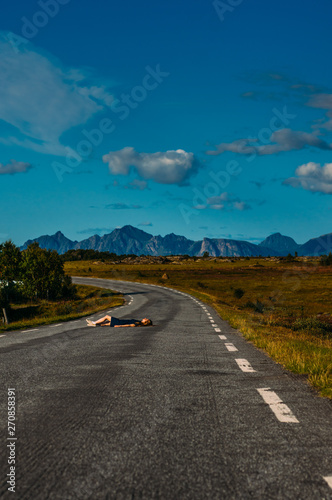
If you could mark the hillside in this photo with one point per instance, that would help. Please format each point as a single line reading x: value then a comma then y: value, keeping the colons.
x: 130, y: 240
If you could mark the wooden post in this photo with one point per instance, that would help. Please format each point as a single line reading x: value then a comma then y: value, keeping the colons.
x: 5, y: 315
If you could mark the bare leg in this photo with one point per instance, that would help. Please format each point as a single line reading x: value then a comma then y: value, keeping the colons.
x: 105, y: 319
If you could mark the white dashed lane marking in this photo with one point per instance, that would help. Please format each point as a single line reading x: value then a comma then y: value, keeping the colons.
x: 279, y: 408
x: 230, y: 347
x: 245, y: 366
x: 53, y: 326
x: 2, y: 335
x: 328, y: 479
x: 217, y: 329
x: 27, y: 331
x: 222, y: 337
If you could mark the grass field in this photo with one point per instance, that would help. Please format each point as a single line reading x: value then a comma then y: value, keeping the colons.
x: 282, y: 307
x: 88, y: 300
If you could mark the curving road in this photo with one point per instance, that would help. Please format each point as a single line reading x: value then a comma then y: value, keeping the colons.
x: 186, y: 409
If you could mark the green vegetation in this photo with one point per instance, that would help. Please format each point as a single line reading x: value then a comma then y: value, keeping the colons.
x: 281, y: 305
x: 32, y: 274
x: 238, y: 293
x: 87, y: 300
x: 34, y: 289
x: 326, y: 260
x: 80, y: 254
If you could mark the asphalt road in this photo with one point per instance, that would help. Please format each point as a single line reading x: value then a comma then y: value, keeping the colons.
x: 186, y: 409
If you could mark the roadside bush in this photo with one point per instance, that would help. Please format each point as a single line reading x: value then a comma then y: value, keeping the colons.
x: 313, y: 325
x: 238, y: 293
x: 63, y: 309
x: 326, y: 260
x: 257, y: 306
x: 69, y: 291
x: 80, y: 307
x: 289, y: 258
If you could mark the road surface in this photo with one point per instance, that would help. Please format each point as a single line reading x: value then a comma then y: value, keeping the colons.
x: 186, y: 409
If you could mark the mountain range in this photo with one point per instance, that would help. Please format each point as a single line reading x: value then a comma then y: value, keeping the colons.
x: 130, y: 240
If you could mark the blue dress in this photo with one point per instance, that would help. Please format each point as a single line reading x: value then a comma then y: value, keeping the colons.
x: 117, y: 321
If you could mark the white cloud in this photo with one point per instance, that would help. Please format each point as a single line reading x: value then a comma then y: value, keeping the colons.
x: 98, y: 93
x: 224, y: 201
x: 218, y: 199
x: 137, y: 185
x: 41, y: 99
x: 312, y: 177
x: 280, y: 141
x: 241, y: 205
x: 323, y: 101
x: 290, y: 140
x: 14, y: 167
x: 169, y: 167
x: 217, y: 206
x: 240, y: 146
x: 218, y: 202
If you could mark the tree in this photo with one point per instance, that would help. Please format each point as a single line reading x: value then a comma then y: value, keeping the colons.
x: 68, y: 289
x: 42, y: 272
x: 326, y: 260
x: 10, y: 261
x: 3, y: 299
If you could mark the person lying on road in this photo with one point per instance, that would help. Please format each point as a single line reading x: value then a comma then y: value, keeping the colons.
x: 116, y: 322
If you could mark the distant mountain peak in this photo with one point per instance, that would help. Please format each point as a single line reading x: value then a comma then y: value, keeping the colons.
x: 131, y: 240
x: 57, y: 241
x: 132, y: 231
x: 59, y: 234
x: 280, y: 243
x: 317, y: 246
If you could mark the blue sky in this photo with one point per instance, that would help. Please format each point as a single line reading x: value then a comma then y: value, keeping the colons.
x: 205, y: 118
